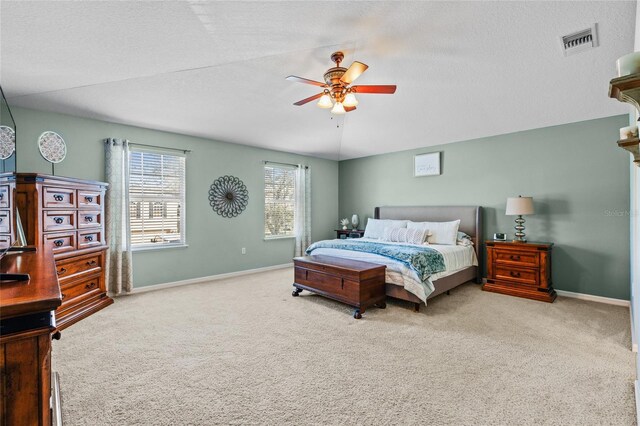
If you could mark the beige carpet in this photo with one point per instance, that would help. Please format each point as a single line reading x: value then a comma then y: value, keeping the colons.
x: 243, y: 351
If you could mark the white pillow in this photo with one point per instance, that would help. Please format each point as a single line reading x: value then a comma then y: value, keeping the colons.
x: 439, y: 232
x: 464, y: 239
x: 404, y: 235
x: 375, y: 227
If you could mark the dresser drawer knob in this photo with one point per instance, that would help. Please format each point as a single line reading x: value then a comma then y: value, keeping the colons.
x: 88, y: 219
x: 58, y: 220
x: 514, y: 274
x: 62, y: 271
x: 90, y: 286
x: 88, y: 237
x: 92, y: 263
x: 1, y: 219
x: 58, y: 197
x: 58, y: 243
x: 1, y: 195
x: 88, y: 199
x: 515, y: 257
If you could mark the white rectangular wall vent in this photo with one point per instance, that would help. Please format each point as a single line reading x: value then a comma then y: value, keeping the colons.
x: 580, y: 41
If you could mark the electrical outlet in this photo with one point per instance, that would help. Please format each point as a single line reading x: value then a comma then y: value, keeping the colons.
x: 244, y: 250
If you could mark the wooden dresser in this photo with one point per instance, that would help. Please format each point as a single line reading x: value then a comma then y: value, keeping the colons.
x: 520, y: 269
x: 66, y: 215
x: 26, y: 324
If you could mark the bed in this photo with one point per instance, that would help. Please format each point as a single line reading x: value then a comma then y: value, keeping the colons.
x: 462, y: 262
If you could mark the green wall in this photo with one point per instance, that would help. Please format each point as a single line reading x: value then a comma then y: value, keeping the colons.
x: 578, y: 177
x: 214, y: 242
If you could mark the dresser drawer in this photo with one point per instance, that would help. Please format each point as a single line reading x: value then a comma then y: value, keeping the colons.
x: 520, y: 275
x: 74, y: 267
x: 89, y: 238
x: 89, y: 199
x: 60, y: 242
x: 5, y: 241
x: 77, y: 291
x: 5, y: 221
x: 58, y: 220
x: 5, y: 198
x: 89, y: 219
x: 516, y: 258
x: 56, y: 197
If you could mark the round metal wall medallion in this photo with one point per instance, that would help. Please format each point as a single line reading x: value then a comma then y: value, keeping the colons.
x: 52, y: 147
x: 228, y: 196
x: 7, y: 142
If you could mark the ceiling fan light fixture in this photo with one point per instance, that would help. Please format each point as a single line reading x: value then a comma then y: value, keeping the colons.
x: 350, y: 100
x: 338, y: 109
x: 325, y: 101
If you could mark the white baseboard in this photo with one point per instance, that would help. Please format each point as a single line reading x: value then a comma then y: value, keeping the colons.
x: 154, y: 287
x: 592, y: 298
x: 589, y: 297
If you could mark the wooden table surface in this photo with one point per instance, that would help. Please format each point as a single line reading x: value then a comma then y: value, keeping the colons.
x: 39, y: 294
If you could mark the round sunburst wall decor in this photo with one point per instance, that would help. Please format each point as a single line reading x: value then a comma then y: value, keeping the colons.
x: 228, y: 196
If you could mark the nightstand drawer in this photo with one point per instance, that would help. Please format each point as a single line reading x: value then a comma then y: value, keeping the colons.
x: 517, y: 258
x: 520, y: 275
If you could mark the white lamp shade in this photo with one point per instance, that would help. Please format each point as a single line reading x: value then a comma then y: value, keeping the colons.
x: 350, y: 100
x: 325, y: 101
x: 338, y: 108
x: 519, y: 206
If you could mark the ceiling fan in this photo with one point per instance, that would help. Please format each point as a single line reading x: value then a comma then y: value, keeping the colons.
x: 338, y: 93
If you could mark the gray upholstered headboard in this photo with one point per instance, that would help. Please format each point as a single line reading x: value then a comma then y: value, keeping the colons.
x: 470, y: 218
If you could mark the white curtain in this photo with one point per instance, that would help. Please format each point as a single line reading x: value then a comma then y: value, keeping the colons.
x: 302, y: 218
x: 118, y: 271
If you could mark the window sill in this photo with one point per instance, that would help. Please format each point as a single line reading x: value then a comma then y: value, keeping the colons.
x: 158, y: 247
x: 285, y: 237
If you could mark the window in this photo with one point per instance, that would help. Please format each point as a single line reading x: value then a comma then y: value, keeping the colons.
x: 156, y: 199
x: 279, y: 201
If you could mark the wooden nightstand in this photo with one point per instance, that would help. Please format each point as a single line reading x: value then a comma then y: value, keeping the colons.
x: 349, y: 233
x: 520, y: 269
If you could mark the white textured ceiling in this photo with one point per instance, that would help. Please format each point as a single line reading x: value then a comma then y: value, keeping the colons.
x: 464, y: 70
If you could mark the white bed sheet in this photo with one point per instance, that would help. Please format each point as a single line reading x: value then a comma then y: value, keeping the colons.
x: 456, y: 258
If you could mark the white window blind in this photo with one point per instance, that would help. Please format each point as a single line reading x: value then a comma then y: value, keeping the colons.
x: 156, y: 198
x: 279, y: 201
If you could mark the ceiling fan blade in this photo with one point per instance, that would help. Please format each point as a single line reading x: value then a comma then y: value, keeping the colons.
x: 348, y: 109
x: 305, y: 80
x: 386, y: 89
x: 354, y: 72
x: 309, y: 99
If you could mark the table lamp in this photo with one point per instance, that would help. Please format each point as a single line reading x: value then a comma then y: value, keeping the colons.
x: 519, y: 206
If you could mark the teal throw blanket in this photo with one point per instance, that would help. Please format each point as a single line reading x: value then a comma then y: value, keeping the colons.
x: 425, y: 261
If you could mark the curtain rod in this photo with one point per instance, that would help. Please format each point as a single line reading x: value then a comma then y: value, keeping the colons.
x: 185, y: 151
x: 284, y: 164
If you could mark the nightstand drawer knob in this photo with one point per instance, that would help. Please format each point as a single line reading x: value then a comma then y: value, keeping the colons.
x: 514, y: 274
x: 515, y: 257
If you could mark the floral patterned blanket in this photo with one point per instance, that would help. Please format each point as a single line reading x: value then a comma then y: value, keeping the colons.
x: 424, y: 261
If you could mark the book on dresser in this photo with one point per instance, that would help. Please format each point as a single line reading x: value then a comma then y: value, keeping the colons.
x: 65, y: 215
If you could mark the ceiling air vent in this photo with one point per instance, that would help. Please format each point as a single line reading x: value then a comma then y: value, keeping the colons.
x: 580, y: 41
